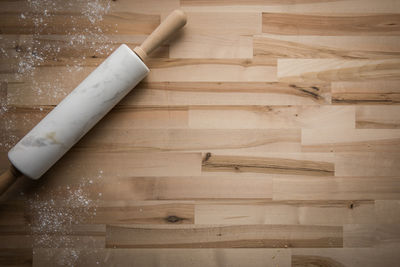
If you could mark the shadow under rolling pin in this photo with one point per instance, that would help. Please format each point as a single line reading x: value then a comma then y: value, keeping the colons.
x: 74, y: 116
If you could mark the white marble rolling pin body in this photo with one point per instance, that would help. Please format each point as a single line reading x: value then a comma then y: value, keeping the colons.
x: 49, y: 140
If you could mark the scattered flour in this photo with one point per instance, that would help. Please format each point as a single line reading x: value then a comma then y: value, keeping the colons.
x: 52, y: 224
x: 28, y: 52
x: 54, y: 221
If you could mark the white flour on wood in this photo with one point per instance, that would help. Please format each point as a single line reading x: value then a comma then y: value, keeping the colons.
x: 54, y: 223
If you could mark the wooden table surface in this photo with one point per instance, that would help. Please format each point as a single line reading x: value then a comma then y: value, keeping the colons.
x: 266, y: 134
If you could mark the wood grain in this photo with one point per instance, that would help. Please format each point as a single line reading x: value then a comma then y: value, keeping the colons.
x: 207, y: 70
x: 16, y: 257
x: 144, y: 213
x: 271, y: 117
x: 217, y: 163
x: 115, y: 190
x: 264, y: 257
x: 367, y: 164
x: 320, y: 212
x: 331, y: 70
x: 387, y: 211
x: 368, y: 257
x: 317, y: 46
x: 126, y: 164
x: 348, y: 140
x: 266, y: 134
x: 380, y: 235
x: 366, y: 93
x: 293, y: 24
x: 123, y: 23
x: 209, y: 46
x: 296, y: 7
x: 190, y: 93
x: 320, y: 188
x: 191, y: 140
x: 376, y: 117
x: 250, y: 236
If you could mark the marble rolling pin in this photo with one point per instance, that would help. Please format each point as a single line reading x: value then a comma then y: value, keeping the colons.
x: 74, y: 116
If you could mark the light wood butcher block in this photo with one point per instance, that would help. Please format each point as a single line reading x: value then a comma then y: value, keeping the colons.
x: 266, y: 134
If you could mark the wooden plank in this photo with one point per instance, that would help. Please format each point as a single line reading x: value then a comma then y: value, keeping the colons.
x: 167, y: 257
x: 229, y: 93
x: 322, y: 212
x: 366, y: 93
x: 108, y: 188
x: 115, y: 139
x: 160, y: 212
x: 350, y: 140
x: 144, y: 6
x: 217, y: 35
x: 89, y: 203
x: 216, y: 23
x: 113, y: 23
x: 337, y: 188
x: 75, y: 165
x: 68, y: 240
x: 15, y: 237
x: 290, y: 70
x: 221, y: 163
x: 191, y: 188
x: 249, y: 236
x: 378, y: 117
x: 13, y: 212
x: 208, y: 70
x: 271, y: 117
x: 145, y: 118
x: 55, y: 7
x: 328, y: 158
x: 190, y: 93
x: 300, y: 24
x: 67, y: 236
x: 317, y: 46
x: 368, y: 164
x: 245, y: 2
x: 367, y: 257
x: 379, y: 235
x: 387, y: 211
x: 209, y: 46
x: 297, y: 7
x: 17, y: 257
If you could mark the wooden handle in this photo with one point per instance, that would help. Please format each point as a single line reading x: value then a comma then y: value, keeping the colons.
x: 174, y: 21
x: 8, y: 178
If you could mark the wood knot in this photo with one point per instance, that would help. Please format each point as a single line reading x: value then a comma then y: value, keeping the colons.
x: 173, y: 219
x: 94, y: 56
x: 207, y: 157
x: 351, y: 205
